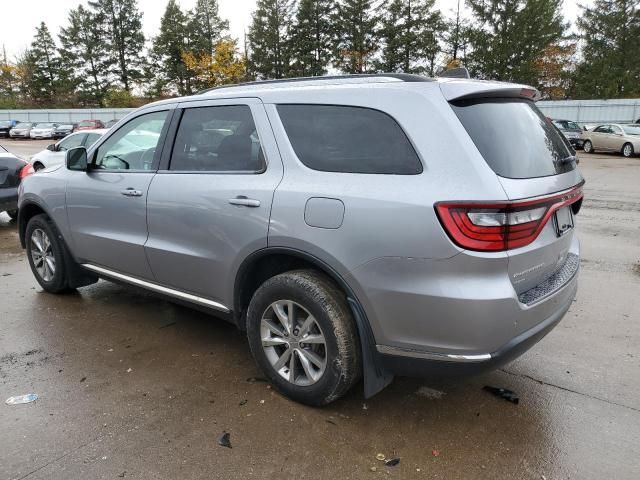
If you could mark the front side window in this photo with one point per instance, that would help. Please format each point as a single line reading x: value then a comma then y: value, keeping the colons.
x: 133, y: 146
x: 217, y: 139
x: 602, y: 129
x: 91, y: 139
x: 345, y: 139
x: 71, y: 142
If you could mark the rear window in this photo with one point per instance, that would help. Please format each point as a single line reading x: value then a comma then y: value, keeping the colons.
x: 348, y: 139
x: 514, y: 137
x: 86, y: 123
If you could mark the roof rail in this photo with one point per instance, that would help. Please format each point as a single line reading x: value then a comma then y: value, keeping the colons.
x: 404, y: 77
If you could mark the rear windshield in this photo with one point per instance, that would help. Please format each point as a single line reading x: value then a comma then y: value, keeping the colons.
x: 86, y: 123
x: 514, y: 137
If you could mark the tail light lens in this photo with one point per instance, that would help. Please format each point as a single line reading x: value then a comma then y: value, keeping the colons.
x: 498, y: 226
x: 26, y: 171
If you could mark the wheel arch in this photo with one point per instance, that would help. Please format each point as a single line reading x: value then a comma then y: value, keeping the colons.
x: 27, y: 211
x: 270, y: 261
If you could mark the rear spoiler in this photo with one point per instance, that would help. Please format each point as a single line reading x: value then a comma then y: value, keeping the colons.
x: 467, y: 89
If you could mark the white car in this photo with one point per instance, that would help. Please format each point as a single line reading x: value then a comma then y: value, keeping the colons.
x: 43, y: 130
x: 54, y: 154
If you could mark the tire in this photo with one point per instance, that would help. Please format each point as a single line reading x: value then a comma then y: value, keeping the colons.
x: 38, y: 166
x: 13, y: 214
x: 310, y: 293
x: 587, y: 147
x: 627, y: 150
x: 57, y: 279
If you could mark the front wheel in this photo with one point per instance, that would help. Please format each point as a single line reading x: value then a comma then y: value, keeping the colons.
x: 588, y: 147
x: 627, y: 150
x: 46, y: 253
x: 303, y: 337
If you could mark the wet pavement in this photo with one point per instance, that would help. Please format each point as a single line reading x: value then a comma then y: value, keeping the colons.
x: 132, y: 386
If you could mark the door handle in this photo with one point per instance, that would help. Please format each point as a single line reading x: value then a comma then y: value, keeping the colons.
x: 244, y: 201
x: 131, y: 192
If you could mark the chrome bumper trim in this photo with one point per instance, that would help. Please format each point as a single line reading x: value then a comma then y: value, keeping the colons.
x: 442, y: 357
x: 156, y: 288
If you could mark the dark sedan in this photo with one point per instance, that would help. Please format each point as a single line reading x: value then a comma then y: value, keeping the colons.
x: 64, y: 129
x: 571, y: 131
x: 12, y: 171
x: 6, y: 125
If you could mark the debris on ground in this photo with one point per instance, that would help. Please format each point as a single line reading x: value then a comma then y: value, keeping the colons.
x: 435, y: 453
x: 331, y: 422
x: 503, y: 393
x: 262, y: 402
x: 83, y: 379
x: 256, y: 380
x: 381, y: 457
x: 374, y: 469
x: 430, y: 393
x: 167, y: 325
x: 20, y: 399
x: 392, y: 462
x: 129, y: 370
x: 365, y: 407
x: 243, y: 402
x: 225, y: 440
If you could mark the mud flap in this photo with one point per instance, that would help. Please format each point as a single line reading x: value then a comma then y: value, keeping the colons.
x: 376, y: 377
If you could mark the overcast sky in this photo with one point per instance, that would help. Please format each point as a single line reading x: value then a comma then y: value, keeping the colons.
x: 19, y: 19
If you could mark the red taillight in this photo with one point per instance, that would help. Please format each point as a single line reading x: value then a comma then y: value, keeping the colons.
x: 496, y: 226
x: 26, y: 171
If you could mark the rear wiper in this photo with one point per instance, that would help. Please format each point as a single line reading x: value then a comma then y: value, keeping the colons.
x: 569, y: 159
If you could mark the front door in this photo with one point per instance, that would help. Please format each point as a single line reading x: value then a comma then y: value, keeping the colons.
x: 209, y: 206
x: 107, y: 204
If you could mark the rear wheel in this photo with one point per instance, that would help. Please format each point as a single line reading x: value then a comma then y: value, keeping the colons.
x: 46, y: 253
x: 303, y: 337
x: 588, y: 147
x: 627, y: 150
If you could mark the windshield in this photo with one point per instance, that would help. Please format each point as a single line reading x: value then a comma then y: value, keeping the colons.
x: 24, y: 125
x: 5, y: 124
x: 46, y: 125
x: 631, y: 129
x: 566, y: 125
x: 65, y: 126
x: 514, y: 137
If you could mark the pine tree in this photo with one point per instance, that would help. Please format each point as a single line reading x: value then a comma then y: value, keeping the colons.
x: 270, y: 39
x: 355, y: 41
x: 610, y: 30
x: 47, y: 78
x: 83, y: 52
x: 168, y: 71
x: 508, y: 36
x: 122, y: 24
x: 206, y: 28
x: 312, y: 39
x: 410, y: 31
x: 8, y: 82
x: 456, y: 38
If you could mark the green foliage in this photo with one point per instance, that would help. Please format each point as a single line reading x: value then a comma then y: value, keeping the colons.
x: 119, y: 98
x: 205, y: 27
x: 508, y: 36
x: 610, y: 30
x: 85, y: 55
x: 355, y: 41
x: 121, y: 23
x: 270, y: 39
x: 410, y: 31
x: 312, y: 39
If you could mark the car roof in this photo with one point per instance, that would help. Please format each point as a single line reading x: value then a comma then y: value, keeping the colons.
x: 273, y: 90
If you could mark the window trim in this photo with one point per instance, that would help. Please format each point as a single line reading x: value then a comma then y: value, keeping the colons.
x: 165, y: 164
x: 421, y: 161
x: 93, y: 154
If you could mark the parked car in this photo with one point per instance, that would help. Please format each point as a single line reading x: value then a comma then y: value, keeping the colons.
x: 614, y: 137
x: 22, y: 130
x: 110, y: 123
x: 12, y: 171
x: 90, y: 125
x: 43, y: 130
x: 54, y: 154
x: 6, y: 126
x: 64, y: 129
x: 357, y: 226
x: 571, y: 130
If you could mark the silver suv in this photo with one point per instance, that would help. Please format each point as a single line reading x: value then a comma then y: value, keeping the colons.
x: 364, y: 226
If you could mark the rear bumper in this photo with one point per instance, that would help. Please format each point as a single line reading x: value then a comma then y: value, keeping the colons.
x: 8, y: 199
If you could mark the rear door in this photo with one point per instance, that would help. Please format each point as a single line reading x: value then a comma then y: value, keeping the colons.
x: 209, y: 205
x: 531, y: 160
x: 106, y: 205
x: 599, y: 137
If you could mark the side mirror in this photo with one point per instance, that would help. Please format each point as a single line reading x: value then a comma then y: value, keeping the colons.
x: 52, y: 147
x: 76, y: 159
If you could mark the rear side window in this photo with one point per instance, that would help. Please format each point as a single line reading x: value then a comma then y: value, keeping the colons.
x: 514, y: 137
x: 347, y: 139
x: 217, y: 139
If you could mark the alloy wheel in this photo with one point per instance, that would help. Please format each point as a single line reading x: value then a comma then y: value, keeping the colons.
x: 627, y: 150
x: 42, y: 255
x: 293, y: 342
